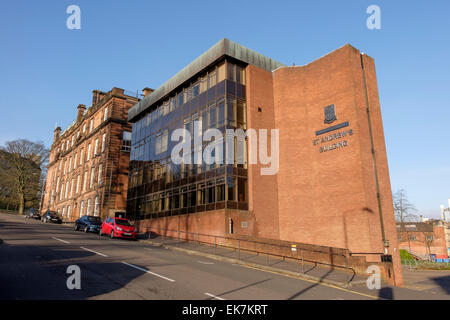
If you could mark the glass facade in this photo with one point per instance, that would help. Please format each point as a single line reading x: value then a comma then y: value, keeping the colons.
x: 157, y: 186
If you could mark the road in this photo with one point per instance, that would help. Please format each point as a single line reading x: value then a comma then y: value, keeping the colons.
x: 34, y: 258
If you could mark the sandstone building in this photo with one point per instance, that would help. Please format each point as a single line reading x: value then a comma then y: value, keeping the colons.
x: 89, y: 161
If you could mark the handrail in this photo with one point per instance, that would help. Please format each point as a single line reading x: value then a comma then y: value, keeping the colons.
x: 302, y: 258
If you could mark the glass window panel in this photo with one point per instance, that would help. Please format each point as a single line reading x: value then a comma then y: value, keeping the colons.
x: 221, y: 113
x: 221, y: 72
x: 231, y: 73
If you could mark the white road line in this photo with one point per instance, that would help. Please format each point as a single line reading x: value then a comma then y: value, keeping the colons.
x: 100, y: 254
x: 155, y: 274
x: 202, y: 262
x: 61, y: 240
x: 213, y: 296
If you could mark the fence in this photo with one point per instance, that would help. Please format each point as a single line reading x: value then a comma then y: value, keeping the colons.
x: 418, y: 264
x: 238, y: 245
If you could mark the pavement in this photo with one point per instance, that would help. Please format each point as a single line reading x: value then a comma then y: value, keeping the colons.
x: 35, y: 257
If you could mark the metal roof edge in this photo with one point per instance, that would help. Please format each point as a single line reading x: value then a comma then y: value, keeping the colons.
x: 224, y: 47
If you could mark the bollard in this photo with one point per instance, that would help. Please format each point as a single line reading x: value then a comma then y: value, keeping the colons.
x: 303, y: 263
x: 239, y: 249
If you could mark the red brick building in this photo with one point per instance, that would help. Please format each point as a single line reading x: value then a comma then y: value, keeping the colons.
x: 89, y: 161
x: 332, y: 187
x: 425, y: 240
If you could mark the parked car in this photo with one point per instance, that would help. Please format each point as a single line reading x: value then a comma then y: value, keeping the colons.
x: 118, y: 227
x: 51, y: 216
x: 88, y: 224
x: 32, y: 213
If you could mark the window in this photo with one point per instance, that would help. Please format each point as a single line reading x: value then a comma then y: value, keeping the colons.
x: 81, y: 156
x: 78, y: 184
x: 75, y: 161
x: 96, y: 206
x: 62, y: 192
x: 68, y: 212
x: 104, y: 142
x: 70, y: 164
x: 64, y: 212
x: 57, y: 184
x: 82, y: 208
x: 413, y: 238
x: 430, y: 238
x: 67, y: 190
x: 84, y: 128
x: 73, y: 140
x: 85, y: 180
x: 91, y: 126
x: 96, y: 147
x: 221, y: 73
x: 161, y: 142
x: 99, y: 179
x: 105, y: 115
x: 91, y: 183
x: 65, y: 167
x: 89, y: 204
x: 126, y: 141
x: 88, y: 156
x: 71, y: 187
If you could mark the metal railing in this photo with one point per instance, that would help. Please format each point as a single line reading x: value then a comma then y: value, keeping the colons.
x: 195, y: 238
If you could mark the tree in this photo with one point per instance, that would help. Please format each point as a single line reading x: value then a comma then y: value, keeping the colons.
x: 403, y: 210
x: 22, y: 163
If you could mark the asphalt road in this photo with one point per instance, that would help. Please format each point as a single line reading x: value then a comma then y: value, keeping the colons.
x: 34, y: 258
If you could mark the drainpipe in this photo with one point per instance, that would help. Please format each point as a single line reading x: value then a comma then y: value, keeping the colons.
x: 380, y: 209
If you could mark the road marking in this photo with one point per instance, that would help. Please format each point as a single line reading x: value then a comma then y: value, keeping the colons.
x: 100, y: 254
x: 61, y: 240
x: 147, y: 271
x: 202, y: 262
x: 213, y: 296
x: 319, y: 283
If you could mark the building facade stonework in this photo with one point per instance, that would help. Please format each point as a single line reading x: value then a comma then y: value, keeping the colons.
x: 89, y: 161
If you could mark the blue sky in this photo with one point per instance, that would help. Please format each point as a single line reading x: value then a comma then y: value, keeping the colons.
x: 46, y: 70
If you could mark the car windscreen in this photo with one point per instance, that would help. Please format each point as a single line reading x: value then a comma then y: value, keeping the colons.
x: 52, y: 214
x: 123, y: 222
x: 94, y: 220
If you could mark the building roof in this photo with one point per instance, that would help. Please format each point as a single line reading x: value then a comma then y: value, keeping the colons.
x: 224, y: 47
x: 414, y: 227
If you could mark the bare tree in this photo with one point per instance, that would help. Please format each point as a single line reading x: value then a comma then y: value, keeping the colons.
x: 403, y: 210
x: 22, y: 162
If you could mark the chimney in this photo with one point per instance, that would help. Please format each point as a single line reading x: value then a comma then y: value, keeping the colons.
x: 56, y: 134
x: 97, y: 95
x: 147, y: 91
x: 81, y: 109
x: 117, y: 91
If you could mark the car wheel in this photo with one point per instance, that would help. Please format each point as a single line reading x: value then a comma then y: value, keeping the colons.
x: 86, y: 229
x: 100, y: 233
x: 76, y: 227
x: 112, y: 234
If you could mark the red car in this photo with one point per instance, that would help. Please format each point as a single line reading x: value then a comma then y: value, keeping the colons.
x: 118, y: 228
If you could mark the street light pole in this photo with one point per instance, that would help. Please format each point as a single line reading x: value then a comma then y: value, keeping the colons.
x: 42, y: 194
